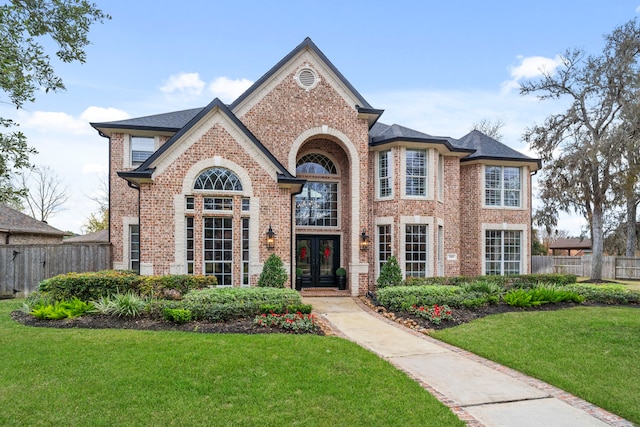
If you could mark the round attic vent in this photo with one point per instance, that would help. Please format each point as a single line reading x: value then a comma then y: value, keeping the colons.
x: 307, y: 78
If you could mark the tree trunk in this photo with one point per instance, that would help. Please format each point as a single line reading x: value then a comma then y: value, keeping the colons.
x: 597, y: 242
x: 632, y: 208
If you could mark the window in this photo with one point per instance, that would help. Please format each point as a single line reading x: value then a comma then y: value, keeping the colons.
x: 218, y: 249
x: 502, y: 186
x: 190, y: 203
x: 190, y: 246
x: 416, y: 250
x: 441, y: 177
x: 317, y: 205
x: 218, y: 179
x: 503, y: 252
x: 245, y: 252
x: 246, y: 204
x: 440, y: 250
x: 416, y: 173
x: 384, y: 174
x: 134, y: 248
x: 317, y: 164
x: 142, y: 147
x: 384, y: 244
x: 218, y: 203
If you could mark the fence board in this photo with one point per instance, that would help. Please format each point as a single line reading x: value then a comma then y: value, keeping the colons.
x: 612, y: 267
x: 22, y: 267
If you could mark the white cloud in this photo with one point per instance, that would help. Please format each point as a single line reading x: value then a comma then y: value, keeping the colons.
x: 59, y: 122
x: 227, y: 89
x: 99, y: 114
x: 529, y: 68
x: 184, y: 85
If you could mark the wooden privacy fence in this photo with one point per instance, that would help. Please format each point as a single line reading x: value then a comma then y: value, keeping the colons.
x: 22, y: 267
x: 612, y: 267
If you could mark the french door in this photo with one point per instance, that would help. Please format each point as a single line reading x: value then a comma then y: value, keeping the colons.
x: 317, y: 257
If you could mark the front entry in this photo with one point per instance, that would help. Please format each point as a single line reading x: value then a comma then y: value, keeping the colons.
x: 317, y: 257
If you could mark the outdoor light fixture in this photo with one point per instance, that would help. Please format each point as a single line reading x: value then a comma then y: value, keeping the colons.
x: 364, y: 241
x: 271, y: 240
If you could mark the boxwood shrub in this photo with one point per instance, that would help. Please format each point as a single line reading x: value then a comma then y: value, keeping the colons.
x: 519, y: 281
x: 166, y: 286
x: 401, y: 298
x: 88, y: 286
x: 605, y: 294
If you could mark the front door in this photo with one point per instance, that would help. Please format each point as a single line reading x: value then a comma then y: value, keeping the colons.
x: 318, y: 257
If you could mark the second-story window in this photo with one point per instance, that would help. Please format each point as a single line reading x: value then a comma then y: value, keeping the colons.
x: 142, y: 147
x: 416, y: 173
x: 502, y: 186
x: 384, y: 174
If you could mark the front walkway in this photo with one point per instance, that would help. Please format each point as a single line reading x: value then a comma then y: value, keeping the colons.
x: 480, y: 392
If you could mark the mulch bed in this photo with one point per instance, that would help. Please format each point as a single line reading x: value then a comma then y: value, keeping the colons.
x: 97, y: 321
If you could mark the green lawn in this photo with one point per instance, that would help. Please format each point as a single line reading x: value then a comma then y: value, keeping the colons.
x: 138, y: 378
x: 591, y: 352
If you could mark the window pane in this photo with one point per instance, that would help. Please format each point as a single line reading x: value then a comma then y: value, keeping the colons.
x: 416, y: 173
x: 317, y: 205
x: 218, y: 179
x: 416, y: 250
x: 142, y: 148
x: 134, y: 247
x: 315, y: 163
x: 503, y: 252
x: 384, y: 178
x: 218, y: 249
x: 384, y: 244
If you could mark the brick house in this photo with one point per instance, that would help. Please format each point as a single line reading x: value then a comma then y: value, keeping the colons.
x: 300, y: 166
x: 17, y: 228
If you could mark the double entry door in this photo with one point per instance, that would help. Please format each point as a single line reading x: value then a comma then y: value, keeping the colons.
x: 317, y: 258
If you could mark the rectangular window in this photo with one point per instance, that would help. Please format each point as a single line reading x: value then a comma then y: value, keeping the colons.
x: 190, y: 203
x: 384, y: 244
x: 502, y: 186
x: 317, y: 205
x: 134, y: 248
x: 218, y: 203
x: 142, y: 147
x: 441, y: 177
x: 416, y: 173
x: 245, y: 252
x: 190, y: 247
x: 416, y: 250
x: 503, y: 252
x: 440, y: 250
x: 218, y: 249
x: 246, y: 204
x: 384, y: 174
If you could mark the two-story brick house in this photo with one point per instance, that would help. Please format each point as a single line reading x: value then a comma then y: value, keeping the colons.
x: 300, y: 165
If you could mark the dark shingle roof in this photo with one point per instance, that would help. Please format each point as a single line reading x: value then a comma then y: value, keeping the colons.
x: 486, y: 147
x: 571, y: 244
x: 101, y: 236
x: 16, y: 222
x: 171, y: 122
x: 384, y: 134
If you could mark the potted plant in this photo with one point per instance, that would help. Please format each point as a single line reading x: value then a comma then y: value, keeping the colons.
x: 298, y: 278
x: 341, y: 275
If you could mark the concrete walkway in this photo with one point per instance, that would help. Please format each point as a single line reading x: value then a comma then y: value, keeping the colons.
x: 480, y: 392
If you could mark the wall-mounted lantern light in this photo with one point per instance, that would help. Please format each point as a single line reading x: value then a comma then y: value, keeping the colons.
x: 271, y: 238
x: 364, y: 241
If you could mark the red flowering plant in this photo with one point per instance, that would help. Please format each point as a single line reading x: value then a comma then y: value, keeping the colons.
x: 434, y: 314
x: 294, y: 322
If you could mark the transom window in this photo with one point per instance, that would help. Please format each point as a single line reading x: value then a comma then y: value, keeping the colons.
x: 316, y: 164
x: 218, y: 179
x: 502, y: 186
x: 503, y: 252
x: 416, y: 173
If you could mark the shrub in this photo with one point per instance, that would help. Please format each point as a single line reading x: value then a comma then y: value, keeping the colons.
x: 172, y: 286
x: 540, y: 295
x: 128, y: 304
x: 482, y: 286
x: 605, y: 294
x: 87, y: 286
x: 282, y: 308
x: 177, y: 315
x: 434, y: 314
x: 62, y: 309
x: 273, y: 273
x: 295, y: 322
x: 401, y: 298
x: 390, y: 274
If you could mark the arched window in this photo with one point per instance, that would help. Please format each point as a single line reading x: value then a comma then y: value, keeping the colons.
x: 317, y: 164
x: 218, y: 179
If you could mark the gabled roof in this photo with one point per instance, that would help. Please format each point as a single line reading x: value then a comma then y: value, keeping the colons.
x: 167, y: 122
x: 571, y: 244
x: 381, y: 134
x: 101, y: 236
x: 145, y: 170
x: 14, y: 221
x: 306, y: 44
x: 485, y: 147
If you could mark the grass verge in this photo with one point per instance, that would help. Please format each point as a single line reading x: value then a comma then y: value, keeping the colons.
x: 591, y: 352
x: 139, y: 378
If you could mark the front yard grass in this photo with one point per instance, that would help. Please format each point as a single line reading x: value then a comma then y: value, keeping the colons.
x: 591, y: 352
x: 136, y: 378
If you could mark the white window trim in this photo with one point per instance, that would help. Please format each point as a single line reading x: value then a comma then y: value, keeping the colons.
x: 126, y: 255
x: 387, y: 220
x: 524, y: 171
x: 417, y: 220
x: 127, y: 163
x: 524, y: 261
x: 390, y: 171
x: 430, y: 181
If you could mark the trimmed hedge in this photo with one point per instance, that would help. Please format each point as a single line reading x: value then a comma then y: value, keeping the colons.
x: 93, y: 285
x: 520, y: 281
x: 605, y: 294
x: 401, y: 298
x: 222, y: 304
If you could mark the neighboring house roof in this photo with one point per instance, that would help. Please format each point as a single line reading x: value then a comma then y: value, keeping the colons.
x: 13, y: 221
x: 101, y: 236
x: 571, y: 244
x: 485, y: 147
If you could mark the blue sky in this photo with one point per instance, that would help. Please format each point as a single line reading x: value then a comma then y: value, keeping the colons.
x: 437, y: 67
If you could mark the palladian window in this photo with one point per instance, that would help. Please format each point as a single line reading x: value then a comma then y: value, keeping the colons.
x: 317, y: 204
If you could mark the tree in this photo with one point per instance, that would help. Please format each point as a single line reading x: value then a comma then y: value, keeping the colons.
x: 45, y: 195
x: 490, y: 128
x: 537, y: 248
x: 273, y: 273
x: 99, y: 220
x: 578, y: 144
x: 25, y: 67
x: 390, y: 273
